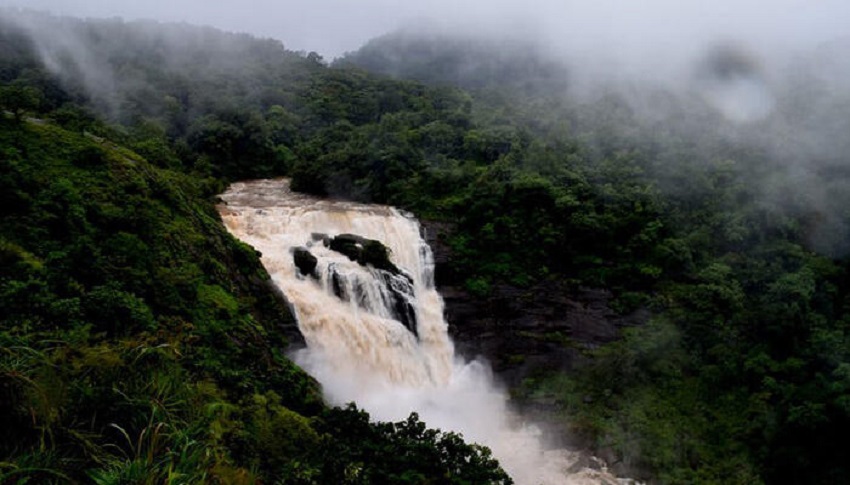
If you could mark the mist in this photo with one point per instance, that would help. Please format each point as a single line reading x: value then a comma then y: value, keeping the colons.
x: 684, y: 86
x: 774, y: 75
x: 626, y: 31
x: 604, y: 42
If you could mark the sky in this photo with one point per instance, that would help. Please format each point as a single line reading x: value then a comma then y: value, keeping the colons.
x: 631, y: 28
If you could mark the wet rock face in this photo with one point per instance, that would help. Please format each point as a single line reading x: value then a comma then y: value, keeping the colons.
x: 435, y: 235
x: 401, y: 298
x: 525, y: 331
x: 389, y: 291
x: 396, y: 294
x: 305, y: 262
x: 348, y: 244
x: 364, y: 251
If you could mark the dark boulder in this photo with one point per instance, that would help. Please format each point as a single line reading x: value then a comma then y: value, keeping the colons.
x: 378, y: 256
x: 348, y: 244
x: 367, y: 252
x: 305, y: 262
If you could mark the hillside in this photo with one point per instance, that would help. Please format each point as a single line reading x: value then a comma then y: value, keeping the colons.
x: 142, y: 343
x: 467, y: 61
x: 139, y: 339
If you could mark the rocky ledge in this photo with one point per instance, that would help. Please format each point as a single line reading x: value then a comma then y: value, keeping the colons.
x: 396, y: 286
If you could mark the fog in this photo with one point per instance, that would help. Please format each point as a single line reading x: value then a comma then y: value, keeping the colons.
x: 775, y: 71
x: 627, y: 30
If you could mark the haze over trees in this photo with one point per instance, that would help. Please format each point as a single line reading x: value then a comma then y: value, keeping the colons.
x: 140, y: 340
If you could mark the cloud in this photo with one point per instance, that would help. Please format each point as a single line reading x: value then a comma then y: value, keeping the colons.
x: 625, y: 29
x: 785, y: 92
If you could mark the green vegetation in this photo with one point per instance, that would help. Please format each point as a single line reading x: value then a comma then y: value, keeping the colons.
x: 740, y: 375
x: 140, y: 342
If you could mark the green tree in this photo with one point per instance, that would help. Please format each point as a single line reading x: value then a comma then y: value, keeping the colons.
x: 19, y: 99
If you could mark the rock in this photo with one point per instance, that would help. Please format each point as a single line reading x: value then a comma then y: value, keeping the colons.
x: 397, y: 298
x: 398, y: 294
x: 400, y: 289
x: 305, y: 262
x: 367, y: 252
x: 436, y: 235
x: 337, y: 284
x: 378, y: 256
x: 348, y: 244
x: 524, y: 331
x: 550, y: 324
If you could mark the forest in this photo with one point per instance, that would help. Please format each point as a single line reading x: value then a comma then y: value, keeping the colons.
x: 140, y: 342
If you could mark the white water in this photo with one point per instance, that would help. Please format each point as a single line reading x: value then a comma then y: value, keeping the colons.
x: 366, y: 356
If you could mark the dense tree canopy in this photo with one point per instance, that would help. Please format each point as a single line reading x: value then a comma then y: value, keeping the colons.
x: 116, y: 269
x: 140, y: 342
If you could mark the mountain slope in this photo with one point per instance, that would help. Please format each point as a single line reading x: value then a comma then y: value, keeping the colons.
x: 140, y: 342
x: 117, y: 271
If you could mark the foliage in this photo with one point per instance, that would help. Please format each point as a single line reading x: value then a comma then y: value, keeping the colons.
x: 404, y: 452
x: 18, y: 99
x: 138, y: 340
x: 738, y: 378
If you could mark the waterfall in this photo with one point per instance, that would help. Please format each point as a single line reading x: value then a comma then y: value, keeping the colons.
x: 377, y: 336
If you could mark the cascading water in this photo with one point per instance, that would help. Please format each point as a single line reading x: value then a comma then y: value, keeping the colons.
x: 376, y: 335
